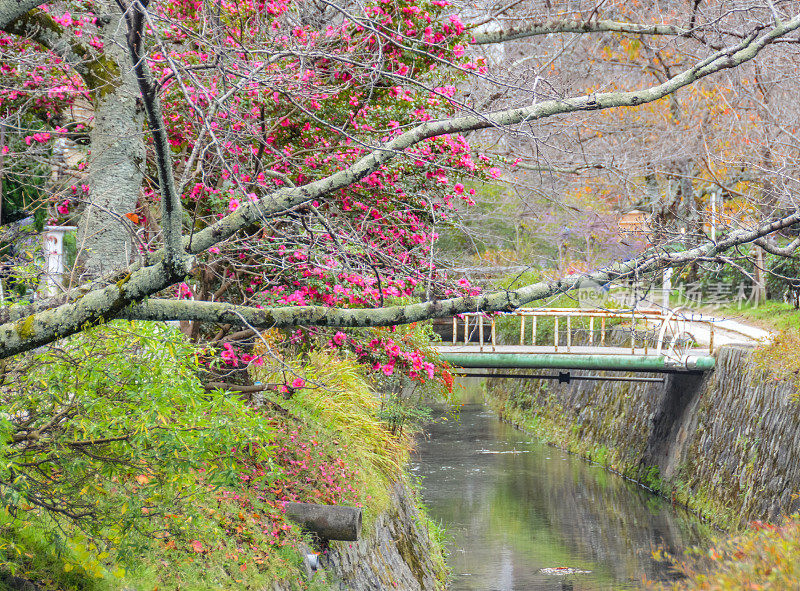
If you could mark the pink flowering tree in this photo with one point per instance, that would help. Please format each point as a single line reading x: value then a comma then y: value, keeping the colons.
x: 278, y: 164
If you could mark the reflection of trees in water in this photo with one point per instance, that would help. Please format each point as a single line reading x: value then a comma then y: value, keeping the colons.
x: 605, y: 518
x: 541, y: 512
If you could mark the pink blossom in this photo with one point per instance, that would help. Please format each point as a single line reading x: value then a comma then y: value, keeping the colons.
x: 298, y: 383
x: 229, y: 355
x: 495, y: 172
x: 40, y: 137
x: 184, y: 291
x: 233, y: 205
x: 339, y: 338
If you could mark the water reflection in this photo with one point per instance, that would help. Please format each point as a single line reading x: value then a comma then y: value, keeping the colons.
x: 515, y: 507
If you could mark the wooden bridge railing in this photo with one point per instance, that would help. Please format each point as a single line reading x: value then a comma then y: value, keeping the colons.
x: 662, y: 321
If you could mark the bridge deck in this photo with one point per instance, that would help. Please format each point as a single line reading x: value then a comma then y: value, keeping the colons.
x: 549, y: 349
x: 578, y: 357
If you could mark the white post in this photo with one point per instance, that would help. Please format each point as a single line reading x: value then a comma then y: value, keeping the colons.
x: 666, y: 287
x: 54, y: 258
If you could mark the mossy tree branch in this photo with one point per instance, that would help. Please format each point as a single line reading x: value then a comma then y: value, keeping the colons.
x: 11, y: 10
x: 499, y: 301
x: 40, y: 27
x: 499, y: 35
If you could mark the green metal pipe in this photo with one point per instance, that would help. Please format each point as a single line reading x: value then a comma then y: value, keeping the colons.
x: 576, y: 361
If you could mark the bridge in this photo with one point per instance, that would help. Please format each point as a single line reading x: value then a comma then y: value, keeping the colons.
x: 662, y: 341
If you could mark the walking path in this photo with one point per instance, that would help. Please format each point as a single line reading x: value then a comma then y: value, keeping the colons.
x: 726, y: 330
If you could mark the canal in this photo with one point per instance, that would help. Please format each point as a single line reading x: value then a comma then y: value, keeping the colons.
x: 526, y: 516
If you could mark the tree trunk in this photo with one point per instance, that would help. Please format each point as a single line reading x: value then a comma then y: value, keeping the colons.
x: 760, y: 285
x: 117, y: 156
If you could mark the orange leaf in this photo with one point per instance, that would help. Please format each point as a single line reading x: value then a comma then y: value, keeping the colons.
x: 132, y: 217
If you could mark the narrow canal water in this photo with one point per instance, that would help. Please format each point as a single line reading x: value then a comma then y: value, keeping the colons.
x: 519, y: 512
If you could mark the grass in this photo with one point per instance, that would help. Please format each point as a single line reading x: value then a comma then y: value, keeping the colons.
x: 338, y: 403
x: 439, y: 535
x: 780, y: 358
x: 769, y: 315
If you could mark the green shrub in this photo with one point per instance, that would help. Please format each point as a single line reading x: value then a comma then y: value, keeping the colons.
x: 106, y: 438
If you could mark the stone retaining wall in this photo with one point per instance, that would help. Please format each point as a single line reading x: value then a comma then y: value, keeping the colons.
x: 397, y: 554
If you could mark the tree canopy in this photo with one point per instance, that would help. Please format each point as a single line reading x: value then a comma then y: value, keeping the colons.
x: 292, y: 164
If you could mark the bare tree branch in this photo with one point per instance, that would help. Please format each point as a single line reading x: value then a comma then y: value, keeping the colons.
x: 499, y: 35
x: 171, y: 207
x: 285, y: 199
x: 500, y: 301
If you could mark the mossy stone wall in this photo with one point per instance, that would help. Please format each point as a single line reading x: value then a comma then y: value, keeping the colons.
x: 398, y: 553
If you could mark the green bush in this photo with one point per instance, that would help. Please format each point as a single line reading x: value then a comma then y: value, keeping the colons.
x: 106, y: 438
x: 783, y: 273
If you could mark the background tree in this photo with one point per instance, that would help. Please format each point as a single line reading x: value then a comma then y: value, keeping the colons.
x: 672, y: 157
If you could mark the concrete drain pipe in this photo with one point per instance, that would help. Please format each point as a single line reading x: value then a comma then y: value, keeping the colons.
x: 326, y: 522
